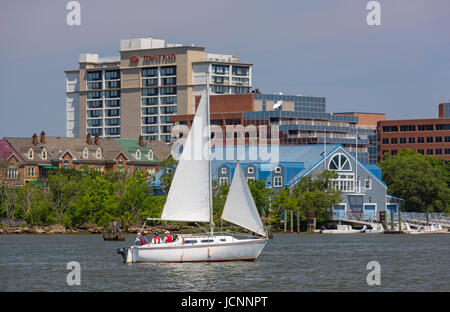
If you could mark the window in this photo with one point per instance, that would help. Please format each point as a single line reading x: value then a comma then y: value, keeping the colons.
x: 385, y: 141
x: 112, y: 84
x: 168, y: 91
x: 98, y: 153
x: 150, y: 82
x: 412, y: 140
x: 94, y: 75
x: 421, y: 151
x: 66, y: 164
x: 85, y: 153
x: 278, y: 169
x: 402, y: 140
x: 120, y: 166
x: 190, y: 241
x: 277, y: 182
x: 447, y: 151
x: 394, y: 152
x: 31, y: 172
x: 12, y: 172
x: 339, y: 162
x: 220, y: 69
x: 30, y: 153
x: 112, y: 94
x: 425, y: 127
x: 150, y: 155
x: 429, y: 139
x: 44, y: 154
x: 250, y: 170
x: 390, y: 129
x: 345, y: 182
x: 223, y: 181
x: 438, y: 151
x: 169, y: 81
x: 408, y: 128
x: 169, y: 100
x: 394, y: 141
x: 112, y: 103
x: 224, y: 170
x: 368, y: 184
x: 250, y: 178
x: 420, y: 140
x: 168, y: 71
x: 138, y: 154
x: 112, y: 74
x: 429, y: 152
x: 441, y: 127
x: 150, y: 72
x: 447, y: 139
x: 438, y: 140
x: 240, y: 70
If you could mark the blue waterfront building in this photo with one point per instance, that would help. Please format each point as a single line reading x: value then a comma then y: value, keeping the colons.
x: 362, y: 189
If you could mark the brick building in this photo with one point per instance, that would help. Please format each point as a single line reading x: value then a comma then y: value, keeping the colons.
x: 30, y: 159
x: 430, y: 137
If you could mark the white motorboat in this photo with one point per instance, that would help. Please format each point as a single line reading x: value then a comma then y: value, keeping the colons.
x: 376, y: 228
x: 190, y: 200
x: 341, y: 229
x: 428, y: 229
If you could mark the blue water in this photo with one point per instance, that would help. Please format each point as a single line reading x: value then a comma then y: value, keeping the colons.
x: 289, y: 262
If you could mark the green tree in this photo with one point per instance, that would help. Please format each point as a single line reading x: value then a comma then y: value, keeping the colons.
x: 317, y: 194
x: 220, y: 193
x: 280, y: 202
x: 63, y: 189
x: 261, y: 195
x: 421, y: 181
x: 134, y: 199
x: 8, y: 197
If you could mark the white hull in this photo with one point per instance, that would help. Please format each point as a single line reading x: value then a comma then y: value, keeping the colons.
x: 341, y: 229
x: 429, y: 230
x: 216, y: 248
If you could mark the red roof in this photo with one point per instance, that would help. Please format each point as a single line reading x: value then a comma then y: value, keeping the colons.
x: 6, y: 151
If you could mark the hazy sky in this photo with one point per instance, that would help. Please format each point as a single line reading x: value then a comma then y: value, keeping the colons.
x: 314, y: 47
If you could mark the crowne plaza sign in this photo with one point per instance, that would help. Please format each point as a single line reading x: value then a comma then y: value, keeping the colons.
x: 155, y: 58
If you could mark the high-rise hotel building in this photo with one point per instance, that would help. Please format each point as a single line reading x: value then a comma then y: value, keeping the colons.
x: 136, y: 93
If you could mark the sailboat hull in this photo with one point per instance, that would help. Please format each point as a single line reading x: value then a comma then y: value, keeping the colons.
x: 219, y: 248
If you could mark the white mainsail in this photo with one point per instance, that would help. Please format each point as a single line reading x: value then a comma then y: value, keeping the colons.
x: 189, y: 195
x: 240, y: 207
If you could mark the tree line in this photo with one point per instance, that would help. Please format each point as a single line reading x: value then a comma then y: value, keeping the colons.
x: 75, y: 198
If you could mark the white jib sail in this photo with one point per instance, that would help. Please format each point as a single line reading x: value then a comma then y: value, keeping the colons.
x: 188, y: 198
x: 240, y: 207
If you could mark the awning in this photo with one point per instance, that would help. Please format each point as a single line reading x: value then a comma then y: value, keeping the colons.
x: 48, y: 166
x: 36, y: 182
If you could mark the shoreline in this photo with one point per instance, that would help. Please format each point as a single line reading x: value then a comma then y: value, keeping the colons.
x: 61, y: 229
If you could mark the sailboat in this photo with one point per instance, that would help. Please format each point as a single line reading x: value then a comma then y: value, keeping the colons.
x: 190, y: 200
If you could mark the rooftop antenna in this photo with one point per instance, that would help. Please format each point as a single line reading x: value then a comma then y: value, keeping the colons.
x: 278, y: 103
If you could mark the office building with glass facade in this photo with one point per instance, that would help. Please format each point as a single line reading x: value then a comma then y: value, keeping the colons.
x: 300, y: 120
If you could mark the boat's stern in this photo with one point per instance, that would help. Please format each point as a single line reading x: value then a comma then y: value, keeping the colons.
x: 127, y: 254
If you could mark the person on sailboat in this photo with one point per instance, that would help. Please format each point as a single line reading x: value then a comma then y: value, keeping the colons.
x: 156, y: 239
x: 168, y: 238
x: 138, y: 239
x: 143, y: 240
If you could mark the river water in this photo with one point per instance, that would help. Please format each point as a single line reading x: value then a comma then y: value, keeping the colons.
x: 289, y: 262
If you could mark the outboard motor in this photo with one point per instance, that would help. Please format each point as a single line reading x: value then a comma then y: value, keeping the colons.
x: 124, y: 252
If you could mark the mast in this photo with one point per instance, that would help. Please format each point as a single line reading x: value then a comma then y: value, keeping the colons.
x: 211, y: 218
